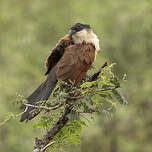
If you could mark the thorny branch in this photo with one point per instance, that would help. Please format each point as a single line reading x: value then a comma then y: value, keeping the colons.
x: 43, y: 107
x: 113, y: 88
x: 63, y: 120
x: 48, y: 145
x: 95, y: 75
x: 22, y: 112
x: 42, y: 144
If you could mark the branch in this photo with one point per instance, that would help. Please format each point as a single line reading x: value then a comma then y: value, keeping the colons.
x: 102, y: 90
x: 42, y: 144
x: 48, y: 145
x: 43, y: 107
x: 63, y: 120
x: 22, y: 112
x: 95, y: 76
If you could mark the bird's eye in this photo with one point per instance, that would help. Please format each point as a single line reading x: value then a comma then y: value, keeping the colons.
x: 75, y: 29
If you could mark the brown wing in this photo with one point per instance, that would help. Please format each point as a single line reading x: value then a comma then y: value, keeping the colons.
x: 75, y: 62
x: 57, y: 53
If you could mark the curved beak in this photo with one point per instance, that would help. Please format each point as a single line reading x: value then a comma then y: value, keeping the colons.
x: 71, y: 32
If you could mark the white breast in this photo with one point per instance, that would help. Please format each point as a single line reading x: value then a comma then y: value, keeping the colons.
x: 88, y: 36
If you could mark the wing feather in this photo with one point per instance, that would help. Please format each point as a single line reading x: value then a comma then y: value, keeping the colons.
x: 57, y: 53
x: 75, y: 62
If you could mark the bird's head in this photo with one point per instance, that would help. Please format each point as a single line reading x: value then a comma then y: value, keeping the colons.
x: 78, y: 28
x: 80, y: 33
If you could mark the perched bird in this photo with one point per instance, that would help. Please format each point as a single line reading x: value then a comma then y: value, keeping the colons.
x: 69, y: 60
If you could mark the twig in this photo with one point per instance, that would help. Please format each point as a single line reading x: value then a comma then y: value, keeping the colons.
x: 102, y: 90
x: 95, y: 76
x: 22, y: 112
x: 48, y: 145
x: 92, y: 111
x: 63, y: 120
x: 43, y: 107
x: 76, y: 97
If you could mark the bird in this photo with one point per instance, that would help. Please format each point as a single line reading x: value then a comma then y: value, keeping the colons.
x: 71, y: 58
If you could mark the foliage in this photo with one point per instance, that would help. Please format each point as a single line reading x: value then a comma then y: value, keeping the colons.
x: 98, y: 96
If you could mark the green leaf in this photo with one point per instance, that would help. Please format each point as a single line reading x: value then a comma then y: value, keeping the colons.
x: 105, y: 94
x: 7, y: 119
x: 119, y: 96
x: 96, y: 98
x: 87, y: 84
x: 113, y: 104
x: 73, y: 116
x: 115, y: 81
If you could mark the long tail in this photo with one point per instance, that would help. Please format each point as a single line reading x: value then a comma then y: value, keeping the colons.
x: 42, y: 93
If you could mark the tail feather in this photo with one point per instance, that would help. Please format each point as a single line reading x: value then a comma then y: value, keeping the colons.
x: 42, y: 93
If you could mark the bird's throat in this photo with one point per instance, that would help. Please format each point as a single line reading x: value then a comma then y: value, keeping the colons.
x: 87, y: 37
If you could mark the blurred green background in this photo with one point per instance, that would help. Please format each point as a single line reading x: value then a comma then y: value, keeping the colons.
x: 28, y: 29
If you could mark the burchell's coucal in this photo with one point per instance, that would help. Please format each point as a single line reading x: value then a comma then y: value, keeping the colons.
x: 70, y: 59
